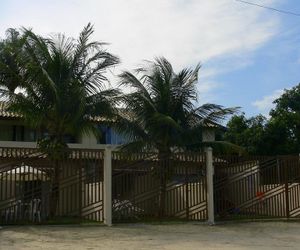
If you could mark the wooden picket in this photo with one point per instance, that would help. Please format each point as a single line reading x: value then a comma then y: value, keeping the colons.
x: 26, y: 179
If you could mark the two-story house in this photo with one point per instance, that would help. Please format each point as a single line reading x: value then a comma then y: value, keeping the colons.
x: 81, y: 183
x: 13, y: 133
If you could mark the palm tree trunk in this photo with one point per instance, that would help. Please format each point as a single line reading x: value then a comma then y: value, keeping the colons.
x: 163, y: 160
x: 55, y: 190
x: 58, y: 154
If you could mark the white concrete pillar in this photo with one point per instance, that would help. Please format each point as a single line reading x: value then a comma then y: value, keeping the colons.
x: 108, y: 186
x: 210, y: 185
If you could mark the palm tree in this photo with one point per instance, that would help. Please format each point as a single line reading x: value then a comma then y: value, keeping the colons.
x: 11, y: 49
x: 163, y: 111
x: 61, y: 86
x: 162, y: 108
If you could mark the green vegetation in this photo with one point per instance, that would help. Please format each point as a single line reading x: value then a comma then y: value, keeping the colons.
x: 280, y: 134
x: 56, y: 84
x: 164, y: 115
x: 59, y: 84
x: 163, y: 110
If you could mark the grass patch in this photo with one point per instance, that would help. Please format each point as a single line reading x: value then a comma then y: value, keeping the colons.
x: 58, y: 221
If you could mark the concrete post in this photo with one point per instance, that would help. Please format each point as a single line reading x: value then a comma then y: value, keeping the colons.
x: 210, y: 185
x: 107, y: 186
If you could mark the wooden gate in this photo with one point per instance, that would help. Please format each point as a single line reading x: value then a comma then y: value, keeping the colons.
x: 148, y: 187
x: 256, y: 187
x: 26, y: 178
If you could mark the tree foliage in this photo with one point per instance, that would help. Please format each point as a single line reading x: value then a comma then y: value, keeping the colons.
x: 280, y: 134
x: 11, y: 51
x: 247, y: 133
x: 57, y: 84
x: 163, y: 108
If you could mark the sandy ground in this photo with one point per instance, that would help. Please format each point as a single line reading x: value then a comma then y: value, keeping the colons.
x: 253, y: 235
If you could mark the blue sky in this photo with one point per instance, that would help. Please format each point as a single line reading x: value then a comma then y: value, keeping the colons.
x: 274, y: 67
x: 249, y: 55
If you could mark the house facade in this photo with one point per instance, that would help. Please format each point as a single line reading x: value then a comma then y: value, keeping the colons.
x: 81, y: 185
x: 14, y: 133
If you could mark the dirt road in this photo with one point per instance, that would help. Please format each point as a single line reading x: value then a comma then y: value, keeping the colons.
x: 254, y: 235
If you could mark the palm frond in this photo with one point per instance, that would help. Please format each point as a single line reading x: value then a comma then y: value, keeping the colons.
x: 163, y: 106
x: 138, y: 146
x: 61, y: 83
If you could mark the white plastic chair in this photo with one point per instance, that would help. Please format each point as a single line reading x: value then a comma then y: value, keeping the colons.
x: 12, y: 212
x: 35, y: 210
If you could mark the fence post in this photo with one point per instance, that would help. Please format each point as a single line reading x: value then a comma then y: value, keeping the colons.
x: 210, y: 185
x: 107, y: 186
x: 286, y: 187
x: 80, y: 184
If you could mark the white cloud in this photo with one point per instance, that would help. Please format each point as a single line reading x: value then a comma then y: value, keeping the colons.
x: 266, y: 103
x: 184, y: 31
x: 206, y: 91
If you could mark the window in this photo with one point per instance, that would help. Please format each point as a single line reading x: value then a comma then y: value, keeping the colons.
x: 109, y: 136
x: 6, y: 133
x: 70, y: 139
x: 29, y: 135
x: 16, y: 133
x: 105, y: 135
x: 117, y: 138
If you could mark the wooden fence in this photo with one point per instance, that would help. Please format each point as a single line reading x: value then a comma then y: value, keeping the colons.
x: 145, y: 186
x: 148, y: 187
x: 257, y: 187
x: 26, y: 186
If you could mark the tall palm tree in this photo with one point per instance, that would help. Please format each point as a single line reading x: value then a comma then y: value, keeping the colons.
x: 61, y: 86
x: 162, y: 108
x: 163, y: 112
x: 11, y: 49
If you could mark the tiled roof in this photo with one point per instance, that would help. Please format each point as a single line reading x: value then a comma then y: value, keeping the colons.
x: 121, y: 111
x: 6, y: 114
